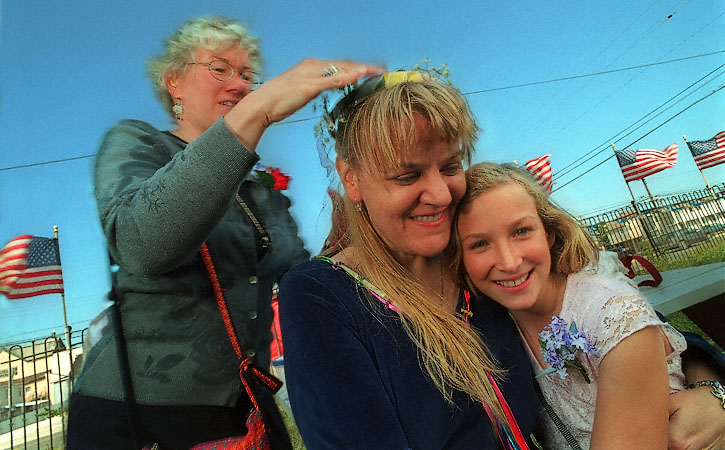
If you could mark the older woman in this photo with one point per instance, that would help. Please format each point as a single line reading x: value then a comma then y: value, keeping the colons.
x: 161, y: 195
x: 382, y: 349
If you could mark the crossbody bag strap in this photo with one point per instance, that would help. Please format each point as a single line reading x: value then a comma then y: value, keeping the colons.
x: 555, y: 418
x: 246, y: 364
x: 126, y: 380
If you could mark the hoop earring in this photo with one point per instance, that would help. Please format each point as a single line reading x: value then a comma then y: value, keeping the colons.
x: 177, y: 109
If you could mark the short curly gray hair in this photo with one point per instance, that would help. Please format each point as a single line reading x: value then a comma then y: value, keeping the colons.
x: 211, y: 33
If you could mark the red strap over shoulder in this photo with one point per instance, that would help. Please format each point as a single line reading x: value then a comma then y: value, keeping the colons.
x: 245, y: 366
x: 649, y: 267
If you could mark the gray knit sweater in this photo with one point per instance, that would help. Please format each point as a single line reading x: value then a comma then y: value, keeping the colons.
x: 158, y: 200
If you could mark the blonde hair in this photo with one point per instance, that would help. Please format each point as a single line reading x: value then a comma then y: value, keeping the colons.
x: 210, y: 33
x: 373, y: 135
x: 573, y: 248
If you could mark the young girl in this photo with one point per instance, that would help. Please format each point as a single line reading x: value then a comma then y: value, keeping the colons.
x: 528, y: 255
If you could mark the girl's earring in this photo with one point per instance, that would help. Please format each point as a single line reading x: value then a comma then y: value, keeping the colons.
x: 178, y: 109
x: 358, y: 206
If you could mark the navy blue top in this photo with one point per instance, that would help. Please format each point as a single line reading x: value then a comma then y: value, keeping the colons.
x: 354, y: 378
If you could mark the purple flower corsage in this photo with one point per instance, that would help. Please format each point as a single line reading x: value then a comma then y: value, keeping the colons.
x: 559, y: 346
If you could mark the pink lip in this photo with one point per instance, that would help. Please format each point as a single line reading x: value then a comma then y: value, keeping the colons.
x: 515, y: 289
x: 435, y: 223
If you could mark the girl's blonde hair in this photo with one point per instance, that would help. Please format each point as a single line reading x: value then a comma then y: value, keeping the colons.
x: 210, y: 33
x: 573, y: 248
x: 372, y: 138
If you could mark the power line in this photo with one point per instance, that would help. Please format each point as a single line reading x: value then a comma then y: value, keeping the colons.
x: 640, y: 138
x: 46, y: 162
x: 617, y: 140
x: 38, y: 333
x: 605, y: 72
x: 521, y: 135
x: 465, y: 94
x: 574, y: 164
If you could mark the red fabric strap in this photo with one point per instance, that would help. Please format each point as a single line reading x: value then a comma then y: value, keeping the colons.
x: 649, y: 267
x: 245, y: 367
x: 220, y: 300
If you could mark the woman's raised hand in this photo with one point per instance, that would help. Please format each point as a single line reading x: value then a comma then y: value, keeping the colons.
x: 281, y: 96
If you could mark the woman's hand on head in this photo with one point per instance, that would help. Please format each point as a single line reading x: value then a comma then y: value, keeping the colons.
x: 281, y: 96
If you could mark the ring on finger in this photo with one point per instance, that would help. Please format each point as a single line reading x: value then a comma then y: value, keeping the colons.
x: 330, y: 71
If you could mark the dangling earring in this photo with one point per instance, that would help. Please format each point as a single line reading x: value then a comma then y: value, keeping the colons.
x: 178, y: 109
x: 358, y: 206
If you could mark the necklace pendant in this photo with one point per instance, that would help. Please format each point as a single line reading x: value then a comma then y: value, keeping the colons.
x: 467, y: 312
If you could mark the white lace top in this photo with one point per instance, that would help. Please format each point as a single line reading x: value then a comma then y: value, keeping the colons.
x: 608, y: 310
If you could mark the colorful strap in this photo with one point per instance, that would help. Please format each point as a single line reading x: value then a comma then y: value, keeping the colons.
x: 245, y: 367
x: 361, y: 281
x: 509, y: 433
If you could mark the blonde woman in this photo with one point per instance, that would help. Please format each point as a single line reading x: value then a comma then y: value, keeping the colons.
x: 382, y: 349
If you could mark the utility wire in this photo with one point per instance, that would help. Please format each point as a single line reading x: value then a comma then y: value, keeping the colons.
x: 465, y: 94
x: 37, y: 333
x: 521, y: 135
x: 605, y: 148
x: 46, y: 162
x: 640, y: 138
x: 605, y: 72
x: 574, y: 164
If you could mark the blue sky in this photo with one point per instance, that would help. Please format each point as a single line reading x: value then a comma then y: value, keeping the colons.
x: 69, y: 70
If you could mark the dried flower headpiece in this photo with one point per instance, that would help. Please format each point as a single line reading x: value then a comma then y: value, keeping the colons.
x: 356, y: 93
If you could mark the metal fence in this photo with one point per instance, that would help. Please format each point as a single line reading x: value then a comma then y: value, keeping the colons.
x: 665, y: 230
x: 36, y: 378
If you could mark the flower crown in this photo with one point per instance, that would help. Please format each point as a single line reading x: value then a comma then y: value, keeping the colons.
x: 354, y: 94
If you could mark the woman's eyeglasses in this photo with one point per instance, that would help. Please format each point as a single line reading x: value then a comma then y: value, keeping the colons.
x: 223, y: 71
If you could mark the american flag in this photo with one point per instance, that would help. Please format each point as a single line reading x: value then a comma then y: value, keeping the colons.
x: 709, y: 153
x: 30, y: 266
x: 637, y: 164
x: 541, y: 170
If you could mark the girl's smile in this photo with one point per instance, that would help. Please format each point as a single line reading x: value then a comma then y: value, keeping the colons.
x: 506, y: 249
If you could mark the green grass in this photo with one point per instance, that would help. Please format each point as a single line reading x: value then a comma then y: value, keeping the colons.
x: 697, y: 256
x: 294, y: 433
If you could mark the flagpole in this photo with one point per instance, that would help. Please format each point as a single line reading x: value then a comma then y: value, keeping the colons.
x: 65, y: 314
x: 709, y: 188
x: 634, y: 205
x: 648, y: 192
